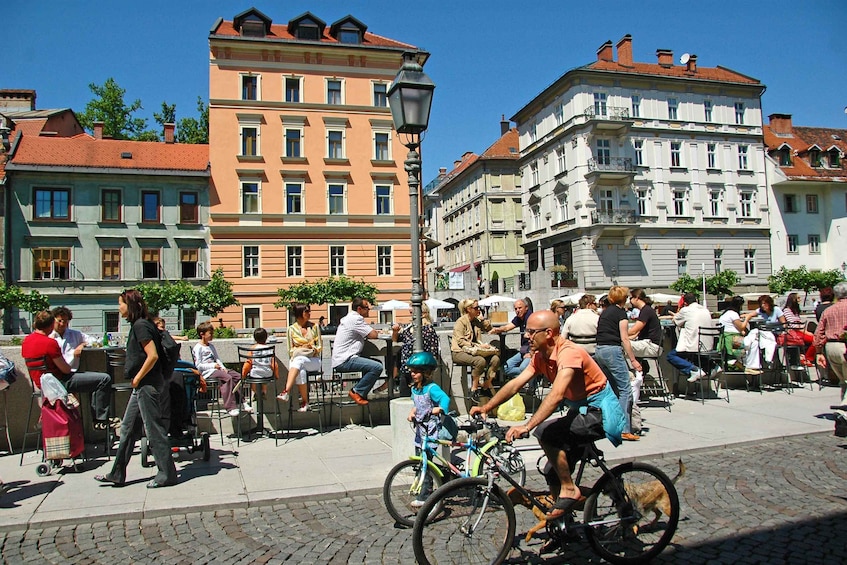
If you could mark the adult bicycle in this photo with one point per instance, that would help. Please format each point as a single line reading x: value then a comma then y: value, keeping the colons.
x: 630, y: 515
x: 410, y: 482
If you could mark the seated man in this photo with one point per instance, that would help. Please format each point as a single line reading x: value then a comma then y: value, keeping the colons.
x: 349, y: 342
x: 576, y: 379
x: 71, y: 343
x: 581, y: 326
x: 519, y: 361
x: 690, y: 318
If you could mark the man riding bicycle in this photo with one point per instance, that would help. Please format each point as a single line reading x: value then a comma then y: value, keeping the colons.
x: 579, y: 382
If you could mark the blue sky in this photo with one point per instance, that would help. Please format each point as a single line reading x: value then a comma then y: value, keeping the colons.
x: 488, y: 57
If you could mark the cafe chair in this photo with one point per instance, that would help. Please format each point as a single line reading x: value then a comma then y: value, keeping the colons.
x: 212, y: 396
x: 33, y: 364
x: 709, y: 357
x: 319, y: 391
x: 264, y: 371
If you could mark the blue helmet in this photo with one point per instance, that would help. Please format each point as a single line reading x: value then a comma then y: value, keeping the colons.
x: 422, y: 360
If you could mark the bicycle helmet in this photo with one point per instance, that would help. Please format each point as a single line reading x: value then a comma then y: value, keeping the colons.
x: 422, y: 360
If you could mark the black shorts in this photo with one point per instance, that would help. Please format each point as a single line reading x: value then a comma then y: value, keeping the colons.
x: 572, y: 430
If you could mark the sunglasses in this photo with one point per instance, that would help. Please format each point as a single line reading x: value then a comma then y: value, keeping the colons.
x: 532, y: 331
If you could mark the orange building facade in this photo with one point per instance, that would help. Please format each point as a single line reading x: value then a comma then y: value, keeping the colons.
x: 307, y: 170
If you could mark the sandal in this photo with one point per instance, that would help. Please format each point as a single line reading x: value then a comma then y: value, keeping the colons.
x: 563, y: 506
x: 101, y: 424
x: 107, y: 479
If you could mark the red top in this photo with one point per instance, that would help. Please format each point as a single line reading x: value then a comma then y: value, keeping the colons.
x: 36, y: 346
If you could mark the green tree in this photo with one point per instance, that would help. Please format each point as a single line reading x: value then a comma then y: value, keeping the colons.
x: 167, y: 116
x: 790, y: 279
x: 823, y: 279
x: 686, y: 283
x: 330, y: 290
x: 109, y: 107
x: 12, y: 296
x: 194, y: 130
x: 720, y: 284
x: 216, y: 296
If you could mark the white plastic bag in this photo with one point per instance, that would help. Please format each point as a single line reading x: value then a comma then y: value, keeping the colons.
x: 53, y: 389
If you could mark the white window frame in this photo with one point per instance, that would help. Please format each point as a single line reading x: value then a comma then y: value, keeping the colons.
x: 241, y: 140
x: 746, y: 203
x: 299, y: 129
x: 561, y: 206
x: 604, y: 151
x: 673, y: 108
x: 681, y: 262
x: 387, y: 134
x: 535, y: 217
x: 743, y: 160
x: 343, y: 132
x: 715, y: 202
x: 708, y: 110
x: 814, y: 244
x: 299, y: 80
x: 792, y: 241
x: 642, y: 197
x: 258, y: 184
x: 638, y: 145
x: 258, y: 77
x: 389, y: 198
x: 561, y: 161
x: 374, y: 86
x: 559, y: 113
x: 711, y: 155
x: 301, y: 197
x: 294, y: 261
x: 636, y: 105
x: 680, y: 201
x: 606, y: 200
x: 676, y: 154
x: 601, y: 104
x: 246, y: 310
x: 812, y: 204
x: 749, y: 262
x: 717, y: 257
x: 337, y: 263
x: 384, y: 260
x: 343, y: 197
x: 342, y: 88
x: 533, y: 173
x: 250, y: 262
x: 739, y: 113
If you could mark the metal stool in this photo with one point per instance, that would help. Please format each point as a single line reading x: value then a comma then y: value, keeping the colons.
x: 659, y: 386
x: 259, y: 356
x: 460, y: 388
x: 343, y: 383
x: 317, y: 387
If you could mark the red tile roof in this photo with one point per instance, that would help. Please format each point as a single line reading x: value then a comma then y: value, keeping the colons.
x: 719, y: 74
x: 504, y: 148
x: 280, y: 31
x: 799, y: 140
x: 84, y: 151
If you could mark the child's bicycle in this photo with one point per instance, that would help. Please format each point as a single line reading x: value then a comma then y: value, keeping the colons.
x: 410, y: 482
x: 631, y: 513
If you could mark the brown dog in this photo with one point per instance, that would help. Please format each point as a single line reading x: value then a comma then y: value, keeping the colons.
x: 543, y: 496
x: 652, y: 497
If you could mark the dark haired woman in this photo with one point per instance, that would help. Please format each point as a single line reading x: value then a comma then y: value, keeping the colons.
x: 144, y: 367
x: 797, y: 334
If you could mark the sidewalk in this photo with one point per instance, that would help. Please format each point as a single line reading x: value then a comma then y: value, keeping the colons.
x: 355, y: 460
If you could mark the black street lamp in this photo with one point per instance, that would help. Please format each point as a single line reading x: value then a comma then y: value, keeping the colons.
x: 410, y: 99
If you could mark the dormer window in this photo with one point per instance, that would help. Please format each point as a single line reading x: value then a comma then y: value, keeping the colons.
x: 348, y: 30
x: 252, y: 23
x: 309, y: 32
x: 349, y: 36
x: 785, y: 156
x: 307, y: 27
x: 834, y: 158
x: 815, y: 157
x: 252, y: 28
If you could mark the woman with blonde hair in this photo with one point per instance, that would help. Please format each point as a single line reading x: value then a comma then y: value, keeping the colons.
x: 466, y: 347
x: 304, y: 350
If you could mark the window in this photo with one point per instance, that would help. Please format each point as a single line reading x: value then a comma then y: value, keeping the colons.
x: 533, y: 132
x: 150, y: 263
x: 150, y: 208
x: 707, y: 110
x: 739, y: 112
x: 333, y: 92
x: 814, y: 244
x: 559, y: 113
x: 535, y: 218
x: 51, y: 204
x: 639, y: 152
x: 533, y: 172
x: 604, y: 152
x: 383, y: 200
x: 336, y: 199
x: 249, y: 198
x: 749, y: 261
x: 790, y: 203
x: 110, y: 206
x: 811, y: 203
x: 793, y: 241
x: 335, y: 144
x: 679, y: 201
x: 250, y: 260
x: 293, y: 198
x: 189, y: 263
x: 834, y: 158
x: 293, y: 142
x: 599, y: 104
x: 292, y: 89
x: 252, y: 317
x: 681, y: 262
x: 636, y: 106
x: 642, y: 195
x: 111, y: 321
x: 381, y: 147
x: 249, y: 141
x: 188, y: 208
x: 815, y: 158
x: 785, y: 157
x: 676, y: 159
x: 383, y: 260
x: 606, y: 201
x: 294, y: 261
x: 715, y: 202
x: 561, y: 207
x: 380, y: 95
x: 718, y: 259
x: 711, y: 156
x: 350, y: 36
x: 561, y: 165
x: 742, y: 157
x: 336, y: 260
x: 249, y: 87
x: 111, y: 260
x: 673, y: 105
x: 746, y: 203
x: 51, y: 263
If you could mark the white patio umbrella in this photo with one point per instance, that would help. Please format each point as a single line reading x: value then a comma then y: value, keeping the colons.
x: 663, y: 298
x: 435, y: 304
x: 494, y: 299
x: 393, y: 305
x: 572, y: 299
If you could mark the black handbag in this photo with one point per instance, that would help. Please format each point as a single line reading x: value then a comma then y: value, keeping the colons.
x: 589, y: 426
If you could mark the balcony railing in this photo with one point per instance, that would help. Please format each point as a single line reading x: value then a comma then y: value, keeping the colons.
x: 611, y: 165
x: 611, y: 113
x: 560, y: 279
x: 614, y: 217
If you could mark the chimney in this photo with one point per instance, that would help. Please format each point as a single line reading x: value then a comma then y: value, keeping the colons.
x: 442, y: 171
x: 504, y: 125
x: 98, y: 130
x: 605, y: 52
x: 625, y: 51
x: 780, y: 123
x: 691, y: 65
x: 665, y: 57
x: 169, y: 133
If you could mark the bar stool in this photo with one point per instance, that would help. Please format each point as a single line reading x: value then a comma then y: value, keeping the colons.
x: 460, y: 387
x: 343, y: 383
x: 659, y: 386
x: 317, y: 387
x: 213, y: 390
x: 262, y: 373
x: 115, y: 364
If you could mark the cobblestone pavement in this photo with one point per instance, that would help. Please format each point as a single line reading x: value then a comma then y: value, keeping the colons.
x: 782, y: 501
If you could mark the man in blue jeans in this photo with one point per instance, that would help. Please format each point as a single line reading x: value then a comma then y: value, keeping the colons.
x: 520, y: 360
x: 688, y: 321
x: 349, y: 342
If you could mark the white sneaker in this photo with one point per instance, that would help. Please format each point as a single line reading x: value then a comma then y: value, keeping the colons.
x: 695, y: 375
x: 304, y: 408
x: 234, y: 412
x: 247, y: 408
x: 417, y: 503
x: 283, y: 396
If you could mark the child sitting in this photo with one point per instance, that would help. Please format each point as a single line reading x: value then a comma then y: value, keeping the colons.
x: 210, y: 365
x: 429, y: 400
x: 263, y: 365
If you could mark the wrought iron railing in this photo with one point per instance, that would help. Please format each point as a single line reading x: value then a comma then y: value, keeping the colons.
x: 614, y: 217
x: 611, y: 165
x: 611, y: 113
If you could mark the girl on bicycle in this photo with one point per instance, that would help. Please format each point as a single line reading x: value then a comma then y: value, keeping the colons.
x: 429, y: 403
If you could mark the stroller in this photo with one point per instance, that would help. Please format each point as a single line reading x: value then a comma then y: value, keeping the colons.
x: 179, y: 410
x: 61, y: 427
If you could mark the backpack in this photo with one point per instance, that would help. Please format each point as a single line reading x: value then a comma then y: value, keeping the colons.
x: 7, y: 372
x: 170, y: 350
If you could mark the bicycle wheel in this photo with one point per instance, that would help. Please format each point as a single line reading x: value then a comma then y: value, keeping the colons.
x: 511, y: 459
x: 402, y: 486
x: 475, y: 525
x: 632, y: 517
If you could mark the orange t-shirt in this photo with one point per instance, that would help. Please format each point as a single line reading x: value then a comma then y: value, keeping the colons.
x: 589, y: 378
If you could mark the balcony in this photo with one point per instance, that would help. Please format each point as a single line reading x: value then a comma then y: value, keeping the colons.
x: 610, y: 170
x: 613, y: 217
x: 610, y: 120
x: 564, y: 279
x: 614, y: 223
